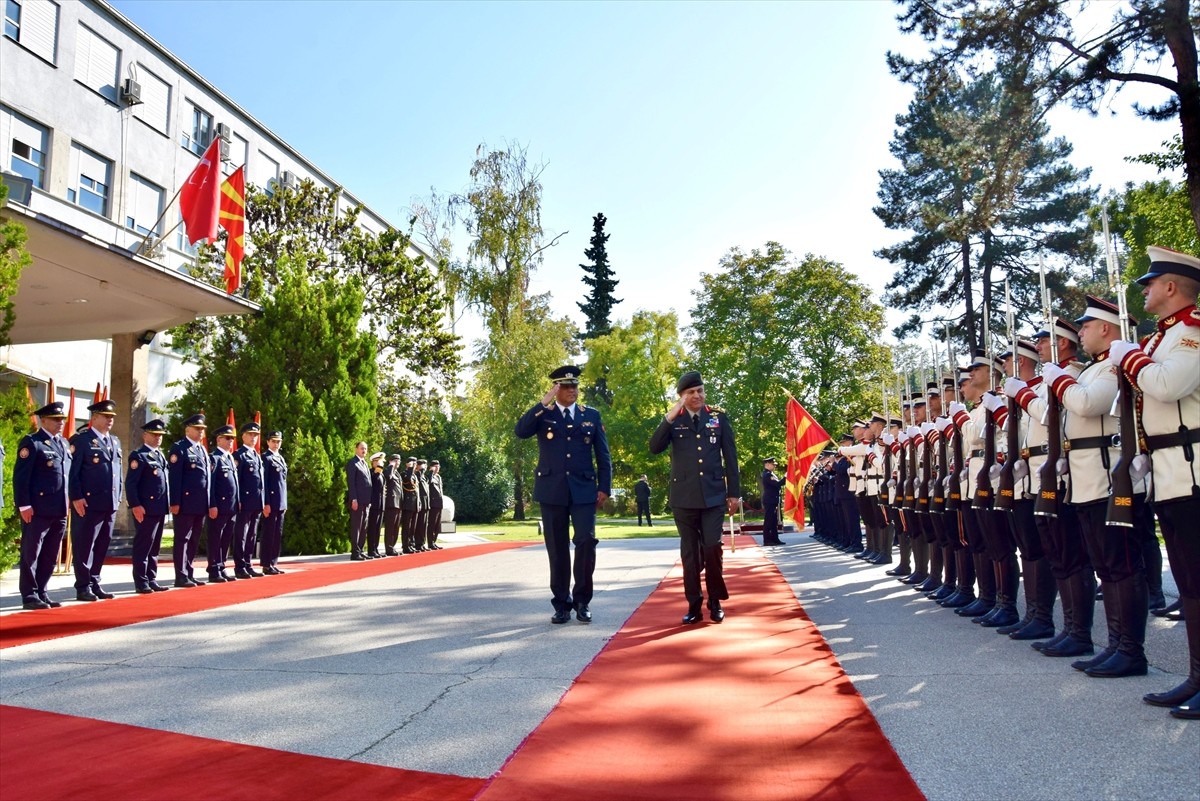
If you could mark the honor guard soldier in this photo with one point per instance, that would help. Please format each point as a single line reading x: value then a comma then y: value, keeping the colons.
x: 275, y: 504
x: 251, y: 498
x: 375, y: 519
x: 845, y: 502
x: 94, y: 485
x: 573, y: 479
x: 705, y: 484
x: 147, y: 496
x: 421, y: 526
x: 1116, y: 550
x: 770, y: 484
x: 358, y: 500
x: 40, y: 494
x: 436, y: 501
x: 1166, y: 369
x: 408, y: 506
x: 188, y: 482
x: 641, y: 495
x: 224, y: 503
x: 393, y: 496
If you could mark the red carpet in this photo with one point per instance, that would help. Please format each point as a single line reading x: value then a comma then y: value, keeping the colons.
x: 754, y: 709
x: 78, y: 618
x: 130, y: 763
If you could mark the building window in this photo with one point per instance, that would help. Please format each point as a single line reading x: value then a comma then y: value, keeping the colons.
x: 199, y: 135
x: 155, y: 108
x: 268, y: 173
x: 181, y: 243
x: 92, y: 180
x: 29, y: 145
x: 96, y: 61
x: 143, y: 206
x: 12, y: 20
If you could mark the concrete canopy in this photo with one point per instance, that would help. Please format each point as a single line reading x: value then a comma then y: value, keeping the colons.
x: 79, y: 288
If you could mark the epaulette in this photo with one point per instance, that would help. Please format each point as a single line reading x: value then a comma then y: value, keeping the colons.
x: 1192, y: 318
x: 716, y: 409
x: 581, y: 406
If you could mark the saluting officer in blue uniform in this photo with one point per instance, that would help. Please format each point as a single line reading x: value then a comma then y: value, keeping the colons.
x: 705, y: 483
x: 275, y: 470
x: 570, y: 484
x: 188, y: 480
x: 94, y: 484
x: 223, y: 505
x: 40, y: 493
x: 251, y: 497
x: 147, y: 496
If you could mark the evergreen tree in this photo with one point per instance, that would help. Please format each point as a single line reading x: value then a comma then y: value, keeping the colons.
x: 983, y: 191
x: 599, y: 276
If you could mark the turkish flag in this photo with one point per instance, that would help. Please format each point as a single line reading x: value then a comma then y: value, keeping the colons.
x: 200, y: 198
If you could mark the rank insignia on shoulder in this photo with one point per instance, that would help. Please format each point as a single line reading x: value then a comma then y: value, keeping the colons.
x: 715, y: 409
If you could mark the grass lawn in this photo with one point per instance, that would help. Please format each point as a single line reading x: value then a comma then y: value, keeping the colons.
x: 527, y: 530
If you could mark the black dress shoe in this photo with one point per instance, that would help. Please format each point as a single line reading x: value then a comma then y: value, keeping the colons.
x: 974, y: 609
x: 1118, y: 666
x: 693, y: 614
x: 276, y: 571
x: 1002, y: 618
x: 407, y: 550
x: 1174, y: 697
x: 197, y: 582
x: 391, y: 552
x: 583, y: 614
x: 217, y: 578
x: 1033, y: 630
x: 241, y: 574
x: 184, y: 583
x: 357, y: 557
x: 254, y: 573
x: 225, y: 575
x: 1171, y: 612
x: 561, y: 616
x: 1098, y: 659
x: 1069, y: 646
x: 158, y: 587
x: 44, y: 598
x: 1158, y: 602
x: 86, y: 595
x: 716, y: 613
x: 143, y: 590
x: 34, y: 603
x: 898, y: 570
x: 1188, y: 710
x: 99, y: 592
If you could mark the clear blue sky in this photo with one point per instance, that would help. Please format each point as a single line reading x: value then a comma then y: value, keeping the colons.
x: 693, y: 127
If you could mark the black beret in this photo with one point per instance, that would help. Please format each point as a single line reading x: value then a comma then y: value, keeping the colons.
x: 687, y: 381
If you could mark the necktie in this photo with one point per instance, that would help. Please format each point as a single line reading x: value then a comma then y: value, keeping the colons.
x: 695, y: 422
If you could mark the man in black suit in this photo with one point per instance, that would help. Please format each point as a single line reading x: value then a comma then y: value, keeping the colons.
x: 574, y: 479
x: 705, y: 484
x: 358, y: 500
x: 641, y: 492
x: 771, y: 485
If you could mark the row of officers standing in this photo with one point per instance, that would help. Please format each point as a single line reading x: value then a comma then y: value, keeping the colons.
x: 406, y: 501
x: 973, y: 515
x: 241, y: 495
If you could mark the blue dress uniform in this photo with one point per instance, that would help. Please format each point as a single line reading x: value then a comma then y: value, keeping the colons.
x: 704, y: 473
x: 573, y: 467
x: 146, y: 487
x: 275, y: 471
x: 40, y: 487
x: 251, y: 496
x: 771, y: 485
x: 188, y: 481
x: 358, y: 488
x: 223, y: 505
x: 95, y: 478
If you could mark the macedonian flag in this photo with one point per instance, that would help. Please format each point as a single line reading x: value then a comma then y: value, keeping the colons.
x: 805, y: 440
x: 233, y: 220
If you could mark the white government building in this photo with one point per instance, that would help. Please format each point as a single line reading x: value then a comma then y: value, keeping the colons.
x: 99, y: 127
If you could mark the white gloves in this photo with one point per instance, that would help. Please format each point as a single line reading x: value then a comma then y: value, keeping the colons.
x: 1118, y: 350
x: 926, y: 427
x: 1052, y: 372
x: 957, y: 407
x: 992, y: 402
x: 994, y: 472
x: 888, y: 439
x: 1140, y: 465
x: 903, y: 438
x: 913, y: 431
x: 1020, y: 469
x: 942, y: 423
x: 1012, y: 386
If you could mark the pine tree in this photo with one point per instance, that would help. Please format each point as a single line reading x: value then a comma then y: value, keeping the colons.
x: 600, y: 301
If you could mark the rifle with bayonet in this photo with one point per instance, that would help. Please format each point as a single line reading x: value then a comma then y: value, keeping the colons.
x: 1006, y: 483
x: 1120, y: 500
x: 1046, y: 503
x: 983, y: 480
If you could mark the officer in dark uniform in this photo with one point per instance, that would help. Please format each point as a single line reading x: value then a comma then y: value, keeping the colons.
x: 275, y: 504
x: 408, y: 506
x: 40, y: 493
x: 188, y: 482
x: 375, y: 518
x: 771, y: 485
x: 94, y: 485
x: 147, y: 496
x: 705, y: 483
x: 251, y: 497
x: 223, y: 505
x: 573, y: 479
x: 358, y: 500
x: 641, y: 493
x: 846, y: 502
x: 393, y: 494
x: 435, y: 505
x: 421, y: 526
